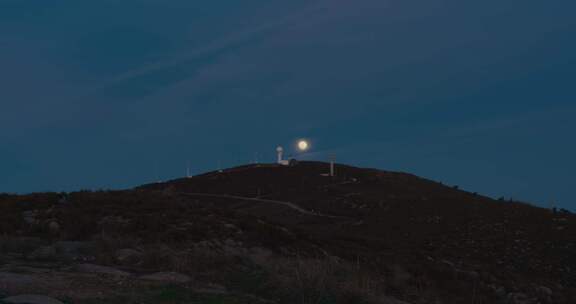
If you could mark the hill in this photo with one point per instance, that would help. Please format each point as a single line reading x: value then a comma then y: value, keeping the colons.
x: 295, y: 235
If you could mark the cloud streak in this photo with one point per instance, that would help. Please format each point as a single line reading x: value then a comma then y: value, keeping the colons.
x: 187, y: 63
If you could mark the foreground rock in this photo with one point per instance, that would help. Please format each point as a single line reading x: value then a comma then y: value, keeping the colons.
x: 91, y: 268
x: 7, y: 278
x: 44, y: 253
x: 128, y: 257
x: 30, y: 299
x: 74, y: 250
x: 167, y: 277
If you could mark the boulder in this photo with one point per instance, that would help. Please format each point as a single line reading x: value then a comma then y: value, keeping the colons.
x: 110, y: 225
x: 91, y: 268
x: 167, y: 277
x: 73, y: 249
x: 389, y: 300
x: 30, y: 217
x: 211, y: 289
x: 53, y: 227
x: 44, y: 253
x: 468, y: 275
x: 8, y: 278
x: 400, y: 277
x: 63, y: 200
x: 545, y: 291
x: 519, y: 298
x: 21, y: 245
x: 30, y: 299
x: 128, y: 256
x: 24, y: 269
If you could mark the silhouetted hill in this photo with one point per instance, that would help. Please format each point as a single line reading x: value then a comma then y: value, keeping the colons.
x: 402, y: 216
x: 430, y: 243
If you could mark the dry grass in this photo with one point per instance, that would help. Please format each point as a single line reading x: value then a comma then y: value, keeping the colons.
x: 323, y: 280
x: 258, y: 272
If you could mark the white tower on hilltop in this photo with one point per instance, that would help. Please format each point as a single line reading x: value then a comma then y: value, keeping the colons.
x: 280, y: 154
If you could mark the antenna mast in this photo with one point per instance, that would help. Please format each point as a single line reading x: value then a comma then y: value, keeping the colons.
x: 332, y: 158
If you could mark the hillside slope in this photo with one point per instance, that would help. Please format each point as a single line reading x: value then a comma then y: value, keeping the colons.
x: 394, y: 234
x: 401, y: 216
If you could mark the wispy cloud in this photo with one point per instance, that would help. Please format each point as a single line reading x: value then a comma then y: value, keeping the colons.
x: 186, y: 64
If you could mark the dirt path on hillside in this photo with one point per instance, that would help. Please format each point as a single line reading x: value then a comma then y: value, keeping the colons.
x: 266, y: 201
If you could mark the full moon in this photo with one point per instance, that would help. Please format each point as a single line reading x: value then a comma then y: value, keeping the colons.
x: 303, y: 145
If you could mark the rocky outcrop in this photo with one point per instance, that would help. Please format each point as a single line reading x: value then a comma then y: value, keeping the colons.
x: 167, y: 277
x: 128, y: 256
x: 30, y: 299
x: 44, y: 253
x: 8, y: 279
x: 91, y: 268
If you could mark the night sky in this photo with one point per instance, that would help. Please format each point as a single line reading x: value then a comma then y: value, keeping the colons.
x: 112, y: 94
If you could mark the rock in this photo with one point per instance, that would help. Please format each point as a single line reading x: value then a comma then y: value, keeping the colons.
x: 519, y: 298
x: 30, y: 299
x: 469, y: 275
x: 8, y: 278
x: 21, y: 269
x: 54, y: 228
x: 167, y: 277
x: 400, y: 276
x: 110, y: 226
x: 44, y: 253
x: 543, y: 290
x: 260, y: 253
x: 30, y: 217
x: 63, y: 200
x: 73, y: 249
x: 211, y: 289
x: 128, y: 256
x: 389, y: 300
x: 21, y: 245
x: 91, y: 268
x: 498, y: 291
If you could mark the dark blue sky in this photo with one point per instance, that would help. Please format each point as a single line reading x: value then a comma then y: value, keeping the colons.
x: 110, y: 94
